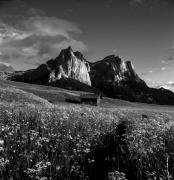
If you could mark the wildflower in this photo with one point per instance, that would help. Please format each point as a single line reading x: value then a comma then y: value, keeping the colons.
x: 1, y: 142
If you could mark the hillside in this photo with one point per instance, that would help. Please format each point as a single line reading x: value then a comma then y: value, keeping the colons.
x: 57, y: 96
x: 59, y: 140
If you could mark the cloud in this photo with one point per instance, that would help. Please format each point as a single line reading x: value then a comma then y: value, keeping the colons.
x: 156, y: 70
x: 49, y: 26
x: 166, y: 68
x: 147, y: 73
x: 169, y: 85
x: 150, y: 82
x: 36, y: 38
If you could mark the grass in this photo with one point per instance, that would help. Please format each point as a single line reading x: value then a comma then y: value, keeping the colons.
x: 57, y: 96
x: 39, y: 140
x: 13, y: 95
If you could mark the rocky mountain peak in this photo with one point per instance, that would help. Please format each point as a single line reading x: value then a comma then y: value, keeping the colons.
x: 68, y: 64
x: 68, y: 49
x: 113, y: 72
x: 113, y: 69
x: 69, y: 53
x: 112, y: 59
x: 66, y: 53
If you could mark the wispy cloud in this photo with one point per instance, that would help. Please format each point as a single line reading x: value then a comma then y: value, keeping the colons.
x: 166, y: 68
x: 169, y: 85
x: 157, y: 70
x: 147, y: 73
x: 150, y: 82
x: 49, y: 26
x: 36, y: 38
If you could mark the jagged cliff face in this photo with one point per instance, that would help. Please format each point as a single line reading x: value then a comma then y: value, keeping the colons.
x: 112, y: 70
x: 117, y: 78
x: 69, y: 64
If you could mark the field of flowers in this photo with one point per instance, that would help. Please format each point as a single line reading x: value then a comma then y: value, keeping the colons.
x: 72, y: 142
x: 42, y: 141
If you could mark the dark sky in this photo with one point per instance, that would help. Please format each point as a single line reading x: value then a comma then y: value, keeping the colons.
x: 142, y: 31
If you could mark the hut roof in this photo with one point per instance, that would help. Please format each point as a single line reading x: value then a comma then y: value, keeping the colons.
x: 78, y: 97
x: 89, y: 95
x: 73, y: 97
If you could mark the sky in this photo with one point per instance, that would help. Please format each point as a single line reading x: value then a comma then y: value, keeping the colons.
x: 32, y: 32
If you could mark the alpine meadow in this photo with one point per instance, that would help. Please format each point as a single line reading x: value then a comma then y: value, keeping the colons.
x: 86, y: 90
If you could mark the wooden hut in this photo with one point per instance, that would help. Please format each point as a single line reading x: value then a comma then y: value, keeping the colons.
x: 83, y: 98
x: 72, y: 98
x: 90, y: 98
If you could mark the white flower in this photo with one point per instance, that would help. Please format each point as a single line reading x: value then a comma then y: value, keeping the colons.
x: 1, y: 142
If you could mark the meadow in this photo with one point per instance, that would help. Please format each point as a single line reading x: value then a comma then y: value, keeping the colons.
x: 40, y: 140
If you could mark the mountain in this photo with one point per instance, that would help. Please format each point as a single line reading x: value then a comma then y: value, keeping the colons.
x: 69, y: 70
x: 112, y: 76
x: 68, y: 65
x: 6, y: 68
x: 118, y: 79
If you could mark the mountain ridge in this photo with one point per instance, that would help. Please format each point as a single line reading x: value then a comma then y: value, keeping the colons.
x: 112, y: 76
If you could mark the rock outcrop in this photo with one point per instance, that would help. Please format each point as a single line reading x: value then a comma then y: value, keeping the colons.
x: 69, y: 64
x: 113, y: 70
x: 116, y: 78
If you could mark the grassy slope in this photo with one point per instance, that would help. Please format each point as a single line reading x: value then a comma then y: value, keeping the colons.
x: 11, y: 95
x: 32, y: 137
x: 57, y: 95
